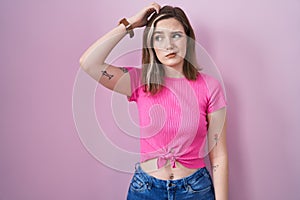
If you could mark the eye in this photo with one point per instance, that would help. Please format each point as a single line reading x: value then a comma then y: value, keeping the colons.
x: 158, y: 38
x: 177, y: 35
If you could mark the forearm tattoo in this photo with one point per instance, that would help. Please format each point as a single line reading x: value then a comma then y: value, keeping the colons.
x: 104, y: 73
x: 123, y: 69
x: 216, y: 138
x: 214, y: 167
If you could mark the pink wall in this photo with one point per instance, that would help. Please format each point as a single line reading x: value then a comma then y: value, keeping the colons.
x: 255, y: 45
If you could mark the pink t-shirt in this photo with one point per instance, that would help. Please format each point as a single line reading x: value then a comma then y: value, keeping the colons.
x: 173, y: 124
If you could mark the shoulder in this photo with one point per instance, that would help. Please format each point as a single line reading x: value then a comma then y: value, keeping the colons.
x: 208, y: 80
x: 134, y: 72
x: 213, y: 86
x: 206, y: 77
x: 133, y: 69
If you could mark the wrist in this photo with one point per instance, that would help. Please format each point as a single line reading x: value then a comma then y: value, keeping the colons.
x: 132, y: 22
x: 128, y: 26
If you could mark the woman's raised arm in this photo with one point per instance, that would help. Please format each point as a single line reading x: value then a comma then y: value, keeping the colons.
x: 93, y: 59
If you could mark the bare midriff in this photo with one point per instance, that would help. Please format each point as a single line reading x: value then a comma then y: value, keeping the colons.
x: 166, y: 172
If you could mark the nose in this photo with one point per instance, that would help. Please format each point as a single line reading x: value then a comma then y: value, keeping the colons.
x: 169, y: 43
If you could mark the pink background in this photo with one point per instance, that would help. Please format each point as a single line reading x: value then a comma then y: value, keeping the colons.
x: 255, y: 45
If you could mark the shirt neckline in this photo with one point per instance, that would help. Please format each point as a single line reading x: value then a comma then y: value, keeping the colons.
x: 174, y: 78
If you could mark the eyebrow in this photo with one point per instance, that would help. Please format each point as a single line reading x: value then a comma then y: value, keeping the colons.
x: 157, y: 32
x: 160, y: 32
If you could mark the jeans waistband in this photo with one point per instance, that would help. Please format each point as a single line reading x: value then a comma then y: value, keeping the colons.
x: 178, y: 183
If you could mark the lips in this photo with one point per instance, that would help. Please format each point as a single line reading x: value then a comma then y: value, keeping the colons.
x: 171, y: 55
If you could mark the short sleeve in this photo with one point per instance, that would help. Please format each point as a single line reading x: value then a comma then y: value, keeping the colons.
x: 215, y: 94
x: 135, y: 82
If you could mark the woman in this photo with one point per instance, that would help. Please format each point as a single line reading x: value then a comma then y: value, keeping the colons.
x: 182, y: 111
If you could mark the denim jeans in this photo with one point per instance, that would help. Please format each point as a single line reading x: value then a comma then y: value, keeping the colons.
x: 197, y: 186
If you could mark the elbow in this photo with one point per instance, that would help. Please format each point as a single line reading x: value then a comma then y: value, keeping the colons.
x: 82, y: 63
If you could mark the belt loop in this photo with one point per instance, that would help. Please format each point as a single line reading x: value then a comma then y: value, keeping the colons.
x: 137, y: 166
x: 149, y: 183
x: 185, y: 185
x: 147, y: 178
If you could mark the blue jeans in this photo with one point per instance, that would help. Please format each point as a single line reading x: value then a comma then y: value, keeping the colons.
x: 197, y: 186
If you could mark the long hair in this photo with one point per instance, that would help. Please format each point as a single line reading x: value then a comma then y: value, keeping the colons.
x: 152, y: 72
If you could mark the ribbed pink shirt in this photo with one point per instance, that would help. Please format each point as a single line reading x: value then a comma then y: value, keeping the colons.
x: 173, y: 123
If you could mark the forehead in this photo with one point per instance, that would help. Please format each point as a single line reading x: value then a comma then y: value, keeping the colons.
x: 170, y: 24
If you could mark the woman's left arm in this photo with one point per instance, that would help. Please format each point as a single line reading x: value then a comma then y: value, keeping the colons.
x: 218, y: 152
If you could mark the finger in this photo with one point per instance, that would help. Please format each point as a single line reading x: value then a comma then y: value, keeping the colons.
x: 156, y: 6
x: 150, y: 11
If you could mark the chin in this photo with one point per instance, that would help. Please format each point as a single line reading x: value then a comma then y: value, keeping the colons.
x: 172, y: 63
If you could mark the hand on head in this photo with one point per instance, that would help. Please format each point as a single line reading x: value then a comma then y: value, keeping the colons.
x: 141, y: 18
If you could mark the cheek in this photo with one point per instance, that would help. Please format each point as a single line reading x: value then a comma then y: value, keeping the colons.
x: 159, y: 53
x: 182, y: 48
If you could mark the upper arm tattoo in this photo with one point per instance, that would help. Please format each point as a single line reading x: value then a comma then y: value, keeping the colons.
x: 104, y: 73
x: 123, y: 69
x: 110, y: 76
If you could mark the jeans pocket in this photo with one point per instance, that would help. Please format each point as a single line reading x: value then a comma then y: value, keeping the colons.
x: 138, y: 183
x: 201, y: 183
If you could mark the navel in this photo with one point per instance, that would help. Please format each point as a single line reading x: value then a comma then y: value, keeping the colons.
x: 171, y: 176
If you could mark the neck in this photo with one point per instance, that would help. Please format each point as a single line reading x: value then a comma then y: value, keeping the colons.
x: 174, y: 72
